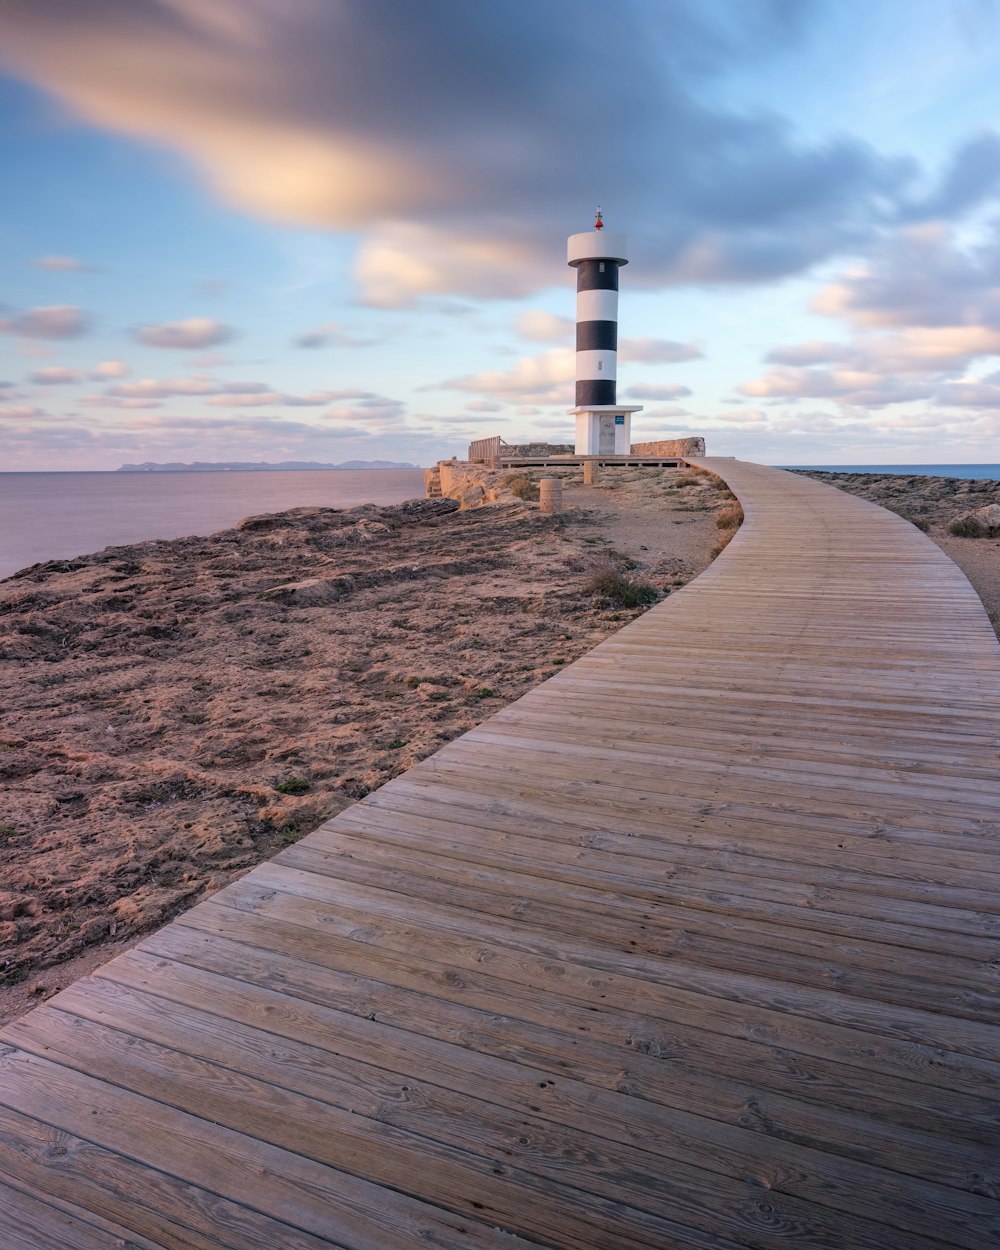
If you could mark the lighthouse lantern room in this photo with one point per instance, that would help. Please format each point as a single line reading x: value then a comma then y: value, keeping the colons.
x: 603, y: 426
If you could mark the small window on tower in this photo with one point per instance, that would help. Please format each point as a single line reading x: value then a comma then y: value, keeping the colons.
x: 602, y: 266
x: 600, y: 365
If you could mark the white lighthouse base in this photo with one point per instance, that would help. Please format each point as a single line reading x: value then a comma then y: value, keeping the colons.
x: 605, y: 430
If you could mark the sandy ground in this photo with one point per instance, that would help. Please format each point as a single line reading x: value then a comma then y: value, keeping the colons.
x: 178, y: 711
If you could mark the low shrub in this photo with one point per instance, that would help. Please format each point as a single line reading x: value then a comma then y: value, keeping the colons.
x: 967, y: 527
x: 725, y: 538
x: 523, y: 486
x: 615, y: 589
x: 294, y: 785
x: 729, y: 516
x: 918, y: 521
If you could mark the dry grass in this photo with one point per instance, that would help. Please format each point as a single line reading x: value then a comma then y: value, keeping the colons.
x: 970, y: 527
x: 615, y: 589
x: 919, y: 522
x: 729, y: 516
x: 523, y: 486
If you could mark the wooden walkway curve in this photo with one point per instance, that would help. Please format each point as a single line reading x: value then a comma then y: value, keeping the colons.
x: 694, y: 946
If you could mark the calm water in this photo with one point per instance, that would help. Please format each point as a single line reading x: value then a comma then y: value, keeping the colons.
x: 54, y: 516
x: 912, y: 470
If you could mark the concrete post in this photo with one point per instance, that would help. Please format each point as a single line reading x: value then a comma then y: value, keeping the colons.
x: 550, y: 495
x: 590, y: 474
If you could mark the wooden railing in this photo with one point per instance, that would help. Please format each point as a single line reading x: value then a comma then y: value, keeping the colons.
x: 485, y: 450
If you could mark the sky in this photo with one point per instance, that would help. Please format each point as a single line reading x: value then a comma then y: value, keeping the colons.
x: 335, y: 229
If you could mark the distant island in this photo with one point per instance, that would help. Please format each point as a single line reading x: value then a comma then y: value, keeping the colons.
x: 260, y: 466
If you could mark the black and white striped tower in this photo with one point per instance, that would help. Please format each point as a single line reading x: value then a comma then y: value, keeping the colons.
x: 603, y: 427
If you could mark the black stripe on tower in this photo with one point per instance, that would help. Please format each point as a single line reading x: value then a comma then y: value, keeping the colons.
x: 597, y: 336
x: 597, y: 275
x: 595, y: 392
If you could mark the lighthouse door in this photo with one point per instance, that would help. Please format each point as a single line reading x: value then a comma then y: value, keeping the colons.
x: 606, y: 439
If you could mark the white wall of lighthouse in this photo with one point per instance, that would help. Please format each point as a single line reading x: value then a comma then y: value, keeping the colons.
x: 603, y: 427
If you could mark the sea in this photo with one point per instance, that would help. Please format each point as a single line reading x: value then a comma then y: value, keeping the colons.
x: 56, y: 516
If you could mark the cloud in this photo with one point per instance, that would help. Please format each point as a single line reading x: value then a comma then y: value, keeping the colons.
x: 546, y: 378
x: 920, y: 277
x: 976, y: 393
x: 666, y: 412
x: 116, y: 401
x: 916, y: 349
x: 375, y: 412
x: 19, y: 412
x: 545, y: 327
x: 56, y: 375
x: 57, y: 321
x: 923, y: 348
x: 852, y: 386
x: 220, y: 394
x: 195, y: 332
x: 314, y: 338
x: 810, y: 353
x: 744, y: 416
x: 356, y: 106
x: 63, y: 264
x: 483, y: 405
x: 657, y: 351
x: 258, y: 399
x: 657, y: 390
x: 148, y: 388
x: 400, y: 262
x: 331, y: 334
x: 973, y: 175
x: 211, y: 287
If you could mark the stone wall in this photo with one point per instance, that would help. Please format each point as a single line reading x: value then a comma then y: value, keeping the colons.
x: 692, y: 446
x: 536, y: 449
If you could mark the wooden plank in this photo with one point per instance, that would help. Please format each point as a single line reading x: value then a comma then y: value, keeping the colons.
x: 340, y: 1207
x: 361, y: 1126
x: 525, y: 1201
x: 631, y: 1052
x: 693, y: 946
x: 700, y: 876
x: 69, y: 1169
x: 31, y: 1224
x: 601, y: 1109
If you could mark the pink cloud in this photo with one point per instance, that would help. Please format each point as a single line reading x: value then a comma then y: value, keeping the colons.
x: 57, y: 321
x: 188, y: 335
x: 56, y: 375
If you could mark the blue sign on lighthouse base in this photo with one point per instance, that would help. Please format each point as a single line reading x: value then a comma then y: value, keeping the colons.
x: 604, y: 429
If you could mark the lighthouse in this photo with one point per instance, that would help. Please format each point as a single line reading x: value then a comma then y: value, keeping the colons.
x: 603, y: 426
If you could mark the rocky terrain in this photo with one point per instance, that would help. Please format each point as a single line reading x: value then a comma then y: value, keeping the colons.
x: 175, y: 711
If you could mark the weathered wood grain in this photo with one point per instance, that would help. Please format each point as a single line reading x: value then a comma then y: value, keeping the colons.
x: 694, y: 947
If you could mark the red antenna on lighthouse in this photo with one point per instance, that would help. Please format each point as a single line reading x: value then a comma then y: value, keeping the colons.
x: 598, y: 220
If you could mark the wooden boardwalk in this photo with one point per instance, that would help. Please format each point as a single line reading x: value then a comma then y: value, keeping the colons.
x: 694, y: 946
